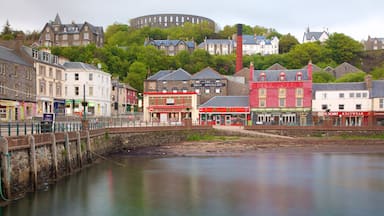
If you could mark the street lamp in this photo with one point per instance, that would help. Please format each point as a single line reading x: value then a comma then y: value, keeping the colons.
x: 84, y: 103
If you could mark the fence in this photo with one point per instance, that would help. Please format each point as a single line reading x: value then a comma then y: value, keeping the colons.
x: 38, y: 127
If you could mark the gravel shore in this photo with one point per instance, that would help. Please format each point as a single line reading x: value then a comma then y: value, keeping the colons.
x: 248, y: 145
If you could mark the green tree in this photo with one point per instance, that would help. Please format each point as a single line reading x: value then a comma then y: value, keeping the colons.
x: 136, y: 75
x: 286, y: 43
x: 352, y: 77
x: 378, y: 72
x: 7, y: 33
x: 322, y: 77
x: 301, y: 54
x: 343, y: 48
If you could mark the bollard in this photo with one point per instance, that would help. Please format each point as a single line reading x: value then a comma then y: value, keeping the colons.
x: 33, y: 170
x: 68, y: 152
x: 5, y: 168
x: 54, y: 155
x: 78, y: 149
x: 88, y: 147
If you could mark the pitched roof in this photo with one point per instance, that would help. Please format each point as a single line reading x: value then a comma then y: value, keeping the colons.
x: 79, y: 65
x: 377, y: 89
x: 255, y: 39
x: 168, y: 43
x: 274, y: 75
x: 350, y: 86
x: 347, y: 67
x: 227, y: 101
x: 179, y: 74
x: 310, y: 35
x: 159, y: 74
x: 207, y: 73
x: 9, y: 55
x: 57, y: 20
x: 276, y: 66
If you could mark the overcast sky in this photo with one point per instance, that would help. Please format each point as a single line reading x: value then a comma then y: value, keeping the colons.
x: 357, y: 19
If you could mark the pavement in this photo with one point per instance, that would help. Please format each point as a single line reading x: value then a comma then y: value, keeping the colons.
x: 240, y: 129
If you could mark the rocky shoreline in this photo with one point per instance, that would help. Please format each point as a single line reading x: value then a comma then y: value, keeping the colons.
x: 249, y: 145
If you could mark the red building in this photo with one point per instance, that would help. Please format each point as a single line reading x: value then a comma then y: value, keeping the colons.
x: 281, y: 96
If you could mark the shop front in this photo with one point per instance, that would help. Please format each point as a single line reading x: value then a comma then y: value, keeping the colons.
x: 349, y: 118
x: 289, y: 117
x: 59, y: 107
x: 230, y: 116
x: 169, y: 114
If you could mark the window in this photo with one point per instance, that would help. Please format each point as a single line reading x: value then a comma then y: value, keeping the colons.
x: 2, y: 69
x: 184, y: 90
x: 341, y: 95
x: 217, y: 90
x: 351, y: 94
x: 282, y: 102
x: 341, y: 106
x: 164, y: 82
x: 262, y: 77
x: 324, y: 106
x: 76, y: 76
x: 262, y: 93
x: 3, y: 112
x: 42, y: 87
x: 174, y: 90
x: 358, y: 95
x: 207, y: 91
x: 76, y: 90
x: 381, y: 103
x: 324, y: 96
x: 64, y: 37
x: 197, y: 91
x: 86, y: 36
x: 358, y: 106
x: 299, y: 76
x: 299, y: 102
x: 90, y: 91
x: 299, y: 92
x: 164, y: 90
x: 58, y: 74
x: 50, y: 72
x: 90, y: 76
x: 76, y: 37
x: 2, y: 91
x: 282, y: 76
x: 281, y: 92
x: 365, y: 95
x: 58, y: 89
x: 261, y: 102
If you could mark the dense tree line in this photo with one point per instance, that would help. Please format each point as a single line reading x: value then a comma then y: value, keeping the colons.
x: 124, y: 54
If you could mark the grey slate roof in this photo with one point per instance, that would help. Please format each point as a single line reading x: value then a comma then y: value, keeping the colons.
x: 179, y: 74
x: 227, y: 101
x: 207, y: 73
x: 251, y: 39
x: 159, y: 74
x: 274, y: 75
x: 377, y: 89
x: 310, y: 35
x: 352, y: 86
x: 216, y: 41
x: 8, y: 55
x: 168, y: 43
x: 79, y: 65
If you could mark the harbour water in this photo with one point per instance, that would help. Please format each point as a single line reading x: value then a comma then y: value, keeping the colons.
x: 260, y: 184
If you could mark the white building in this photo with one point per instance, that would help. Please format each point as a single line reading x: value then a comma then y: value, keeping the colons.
x: 254, y: 44
x: 97, y: 85
x: 49, y: 81
x: 218, y: 46
x: 315, y: 36
x: 346, y: 104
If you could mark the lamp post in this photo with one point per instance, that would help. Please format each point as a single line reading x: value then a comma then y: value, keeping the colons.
x: 84, y: 103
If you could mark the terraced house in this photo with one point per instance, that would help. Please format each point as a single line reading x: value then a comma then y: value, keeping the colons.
x: 17, y: 86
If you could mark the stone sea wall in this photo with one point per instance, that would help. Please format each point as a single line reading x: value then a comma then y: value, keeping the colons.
x: 29, y: 163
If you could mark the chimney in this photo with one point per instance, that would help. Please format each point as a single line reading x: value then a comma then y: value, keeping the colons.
x: 239, y: 48
x: 368, y: 83
x: 251, y: 70
x: 310, y: 70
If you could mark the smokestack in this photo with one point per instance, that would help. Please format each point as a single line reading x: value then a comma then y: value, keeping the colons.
x: 239, y: 48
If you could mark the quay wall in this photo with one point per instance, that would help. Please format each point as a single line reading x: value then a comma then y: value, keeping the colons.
x: 29, y: 163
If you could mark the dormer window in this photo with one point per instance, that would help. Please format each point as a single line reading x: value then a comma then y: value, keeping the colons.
x: 299, y: 76
x: 262, y: 77
x: 282, y: 76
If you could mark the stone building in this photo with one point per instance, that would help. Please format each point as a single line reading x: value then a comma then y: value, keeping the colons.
x: 373, y: 43
x: 168, y: 20
x: 55, y: 33
x: 171, y: 47
x: 311, y: 36
x: 17, y: 86
x: 123, y: 98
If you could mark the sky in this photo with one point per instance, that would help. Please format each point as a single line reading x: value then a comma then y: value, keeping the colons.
x: 357, y: 19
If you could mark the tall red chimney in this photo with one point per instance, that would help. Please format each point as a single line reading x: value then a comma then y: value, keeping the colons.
x: 239, y: 48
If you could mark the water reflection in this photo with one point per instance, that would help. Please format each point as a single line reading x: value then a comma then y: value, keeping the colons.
x: 263, y: 184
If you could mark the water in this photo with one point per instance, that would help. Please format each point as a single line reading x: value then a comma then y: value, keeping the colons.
x: 261, y: 184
